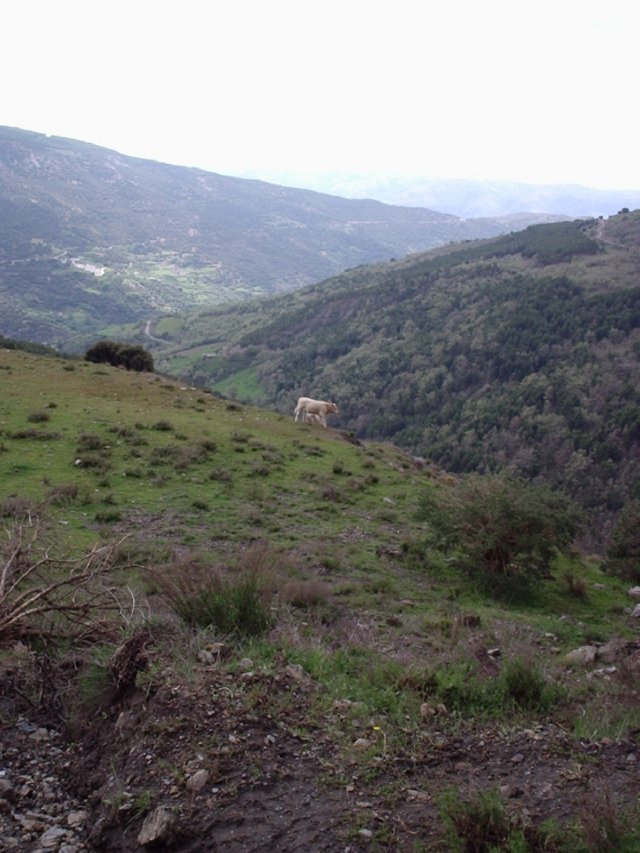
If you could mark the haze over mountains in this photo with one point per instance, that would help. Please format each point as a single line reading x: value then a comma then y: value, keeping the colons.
x: 90, y: 237
x: 469, y: 198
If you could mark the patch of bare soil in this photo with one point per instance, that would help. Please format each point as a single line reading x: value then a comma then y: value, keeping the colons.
x: 246, y: 761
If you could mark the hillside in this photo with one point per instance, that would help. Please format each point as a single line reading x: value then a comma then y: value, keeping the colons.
x: 223, y: 630
x: 518, y: 353
x: 91, y: 238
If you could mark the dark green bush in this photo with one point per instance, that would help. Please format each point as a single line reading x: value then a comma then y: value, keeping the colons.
x: 499, y: 527
x: 131, y: 356
x: 623, y: 555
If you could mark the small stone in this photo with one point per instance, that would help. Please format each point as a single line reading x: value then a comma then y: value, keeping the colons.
x: 6, y: 790
x: 634, y: 592
x: 366, y: 834
x: 583, y: 655
x: 245, y: 664
x: 361, y: 743
x: 77, y: 818
x: 427, y: 710
x: 156, y: 827
x: 197, y: 781
x: 518, y: 758
x: 52, y: 837
x: 40, y: 735
x: 295, y: 671
x: 632, y: 758
x: 206, y: 657
x: 270, y: 740
x: 636, y: 612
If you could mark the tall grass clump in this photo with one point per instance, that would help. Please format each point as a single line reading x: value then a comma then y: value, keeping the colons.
x: 480, y: 823
x: 234, y: 602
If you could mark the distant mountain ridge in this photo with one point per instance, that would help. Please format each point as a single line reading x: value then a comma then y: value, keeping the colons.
x: 470, y: 198
x: 90, y: 237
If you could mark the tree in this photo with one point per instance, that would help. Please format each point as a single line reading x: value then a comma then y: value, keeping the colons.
x: 131, y: 356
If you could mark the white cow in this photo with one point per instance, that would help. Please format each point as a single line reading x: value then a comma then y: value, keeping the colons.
x: 315, y: 410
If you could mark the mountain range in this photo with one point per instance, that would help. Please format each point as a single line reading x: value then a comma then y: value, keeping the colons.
x: 469, y: 198
x: 90, y: 238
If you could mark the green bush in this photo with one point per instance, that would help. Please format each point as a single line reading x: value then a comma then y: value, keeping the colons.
x: 132, y: 357
x: 202, y: 597
x: 480, y: 823
x: 623, y: 555
x: 499, y: 527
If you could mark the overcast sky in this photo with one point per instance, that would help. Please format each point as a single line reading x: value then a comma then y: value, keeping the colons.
x: 538, y: 92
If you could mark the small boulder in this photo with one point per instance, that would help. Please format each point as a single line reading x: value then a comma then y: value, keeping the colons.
x: 156, y: 827
x: 584, y: 655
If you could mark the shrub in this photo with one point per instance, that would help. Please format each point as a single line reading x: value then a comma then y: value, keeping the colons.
x: 501, y: 527
x: 203, y: 596
x: 623, y: 554
x: 480, y: 823
x: 38, y: 417
x: 132, y: 357
x: 108, y: 516
x: 302, y: 593
x: 46, y: 596
x: 523, y: 685
x: 63, y: 494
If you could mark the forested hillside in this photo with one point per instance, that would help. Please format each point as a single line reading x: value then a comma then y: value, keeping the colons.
x: 90, y: 238
x: 519, y: 354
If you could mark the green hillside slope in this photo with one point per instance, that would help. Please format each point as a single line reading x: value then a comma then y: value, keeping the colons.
x: 518, y: 354
x: 206, y: 608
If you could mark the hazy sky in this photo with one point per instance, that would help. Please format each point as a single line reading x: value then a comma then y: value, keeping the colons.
x: 538, y: 92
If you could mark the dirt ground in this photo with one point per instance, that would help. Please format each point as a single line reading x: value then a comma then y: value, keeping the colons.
x: 242, y: 762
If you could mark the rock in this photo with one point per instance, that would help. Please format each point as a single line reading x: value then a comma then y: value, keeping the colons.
x: 245, y: 664
x: 77, y: 818
x: 197, y: 781
x: 156, y: 827
x: 366, y: 834
x: 6, y: 790
x: 52, y: 837
x: 636, y: 612
x: 583, y: 655
x: 206, y: 657
x: 40, y: 735
x: 361, y: 743
x: 295, y: 671
x: 427, y: 710
x: 518, y: 758
x: 611, y: 651
x: 634, y: 592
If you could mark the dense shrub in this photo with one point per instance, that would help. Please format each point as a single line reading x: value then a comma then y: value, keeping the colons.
x: 623, y: 555
x: 500, y: 527
x: 131, y: 356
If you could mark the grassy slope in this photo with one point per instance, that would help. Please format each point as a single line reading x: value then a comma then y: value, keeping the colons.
x: 184, y: 469
x: 331, y: 511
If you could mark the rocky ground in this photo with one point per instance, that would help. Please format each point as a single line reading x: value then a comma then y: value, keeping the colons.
x: 246, y: 761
